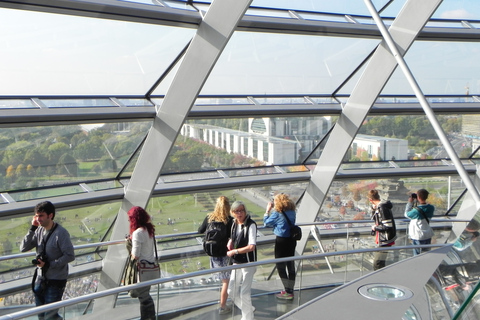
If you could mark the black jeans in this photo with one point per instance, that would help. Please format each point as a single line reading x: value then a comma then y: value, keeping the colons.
x: 285, y: 247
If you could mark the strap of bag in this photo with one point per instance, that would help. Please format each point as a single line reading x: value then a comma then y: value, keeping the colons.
x: 155, y: 245
x: 288, y: 220
x: 423, y: 214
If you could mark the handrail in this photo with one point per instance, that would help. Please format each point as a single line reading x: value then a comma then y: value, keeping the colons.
x: 117, y: 290
x: 194, y: 233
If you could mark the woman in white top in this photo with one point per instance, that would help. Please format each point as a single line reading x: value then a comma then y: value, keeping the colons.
x: 142, y: 233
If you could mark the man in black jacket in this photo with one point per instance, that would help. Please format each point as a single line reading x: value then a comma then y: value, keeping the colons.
x: 384, y: 229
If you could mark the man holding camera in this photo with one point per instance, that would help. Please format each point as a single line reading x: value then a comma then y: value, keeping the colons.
x: 54, y: 251
x: 419, y: 213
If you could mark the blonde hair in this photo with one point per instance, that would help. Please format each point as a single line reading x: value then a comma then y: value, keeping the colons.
x: 283, y: 202
x: 221, y: 211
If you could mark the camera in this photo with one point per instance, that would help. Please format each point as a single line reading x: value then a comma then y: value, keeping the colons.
x: 39, y: 257
x: 414, y: 196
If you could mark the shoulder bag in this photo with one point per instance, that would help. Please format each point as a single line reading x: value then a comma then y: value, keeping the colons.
x: 295, y: 231
x: 149, y: 270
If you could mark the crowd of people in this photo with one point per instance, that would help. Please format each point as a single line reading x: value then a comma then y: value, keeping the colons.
x: 230, y: 239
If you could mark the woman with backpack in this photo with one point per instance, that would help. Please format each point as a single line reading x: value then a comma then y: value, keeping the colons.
x: 217, y: 226
x: 276, y: 215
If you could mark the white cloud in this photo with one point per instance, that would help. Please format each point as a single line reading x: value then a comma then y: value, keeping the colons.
x: 457, y: 14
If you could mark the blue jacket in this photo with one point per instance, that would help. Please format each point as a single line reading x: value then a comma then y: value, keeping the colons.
x: 280, y: 225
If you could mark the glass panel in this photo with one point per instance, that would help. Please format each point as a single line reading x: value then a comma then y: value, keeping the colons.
x: 259, y: 63
x: 105, y: 185
x: 122, y: 58
x: 412, y: 137
x: 234, y: 143
x: 342, y: 7
x: 455, y: 77
x: 45, y: 193
x: 34, y: 157
x: 16, y: 104
x: 347, y: 200
x: 136, y: 102
x: 77, y: 103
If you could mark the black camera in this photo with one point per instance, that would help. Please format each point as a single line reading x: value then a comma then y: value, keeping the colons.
x: 414, y: 196
x: 39, y: 257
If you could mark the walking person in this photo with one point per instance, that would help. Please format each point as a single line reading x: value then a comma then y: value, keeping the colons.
x: 142, y: 235
x: 217, y: 227
x: 276, y: 215
x: 242, y: 248
x: 419, y: 212
x: 54, y: 251
x: 384, y: 229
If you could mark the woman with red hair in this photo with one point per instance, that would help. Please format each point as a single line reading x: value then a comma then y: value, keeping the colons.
x: 142, y: 233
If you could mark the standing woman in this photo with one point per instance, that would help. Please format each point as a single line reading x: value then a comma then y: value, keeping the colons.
x: 142, y: 233
x: 242, y: 249
x: 220, y: 216
x: 276, y: 216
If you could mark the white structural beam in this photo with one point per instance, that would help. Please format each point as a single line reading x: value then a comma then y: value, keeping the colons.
x: 205, y: 48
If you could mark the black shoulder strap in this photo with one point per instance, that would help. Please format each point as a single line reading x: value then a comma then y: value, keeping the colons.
x: 423, y: 214
x: 288, y: 220
x: 155, y: 245
x: 45, y: 240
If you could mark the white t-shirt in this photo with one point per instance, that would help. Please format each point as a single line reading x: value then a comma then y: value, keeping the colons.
x: 252, y: 234
x: 142, y: 245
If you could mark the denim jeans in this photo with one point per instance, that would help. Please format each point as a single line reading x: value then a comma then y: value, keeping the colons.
x: 419, y: 242
x: 52, y: 291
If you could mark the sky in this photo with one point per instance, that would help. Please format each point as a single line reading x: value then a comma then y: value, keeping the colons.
x: 48, y: 54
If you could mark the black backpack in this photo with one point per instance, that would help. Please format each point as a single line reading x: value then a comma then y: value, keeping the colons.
x: 215, y: 241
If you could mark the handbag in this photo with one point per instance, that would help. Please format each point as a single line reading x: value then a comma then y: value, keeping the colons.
x: 295, y: 231
x: 148, y: 270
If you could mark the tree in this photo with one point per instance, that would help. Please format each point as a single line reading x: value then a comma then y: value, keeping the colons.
x: 67, y: 165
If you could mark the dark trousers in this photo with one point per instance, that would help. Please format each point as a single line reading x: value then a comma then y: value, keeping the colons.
x: 51, y: 291
x: 285, y: 247
x: 147, y: 307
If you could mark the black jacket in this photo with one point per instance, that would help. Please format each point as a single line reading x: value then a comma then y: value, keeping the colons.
x: 241, y: 240
x: 386, y: 231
